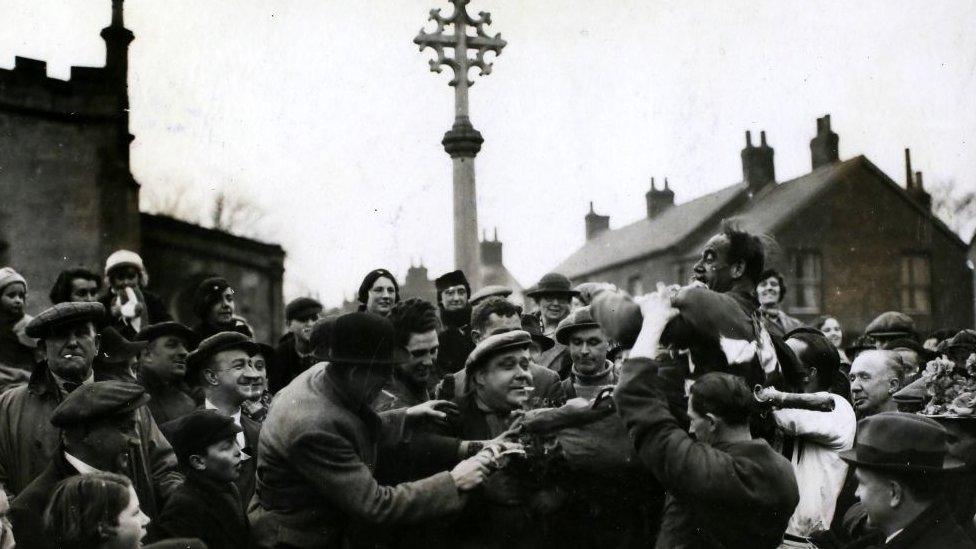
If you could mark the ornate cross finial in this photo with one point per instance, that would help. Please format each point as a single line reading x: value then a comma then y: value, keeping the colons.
x: 460, y: 42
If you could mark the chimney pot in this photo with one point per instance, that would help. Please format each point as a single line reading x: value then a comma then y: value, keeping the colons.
x: 824, y: 145
x: 595, y: 223
x: 748, y: 139
x: 757, y: 164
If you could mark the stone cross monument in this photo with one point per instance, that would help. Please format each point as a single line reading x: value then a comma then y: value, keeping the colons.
x: 462, y: 142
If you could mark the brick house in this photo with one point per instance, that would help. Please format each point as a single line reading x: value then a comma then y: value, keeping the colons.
x: 851, y: 242
x: 70, y: 198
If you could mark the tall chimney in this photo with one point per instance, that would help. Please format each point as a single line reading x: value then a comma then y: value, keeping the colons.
x: 595, y: 223
x: 914, y: 186
x: 823, y: 147
x: 491, y: 250
x: 658, y: 200
x: 908, y: 169
x: 757, y: 164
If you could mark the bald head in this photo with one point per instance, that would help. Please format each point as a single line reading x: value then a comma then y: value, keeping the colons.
x: 875, y: 377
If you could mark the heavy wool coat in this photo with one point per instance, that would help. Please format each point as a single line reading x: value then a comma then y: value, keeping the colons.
x: 729, y: 495
x: 317, y: 455
x: 208, y: 510
x: 28, y: 442
x: 27, y: 509
x: 287, y: 364
x: 935, y: 528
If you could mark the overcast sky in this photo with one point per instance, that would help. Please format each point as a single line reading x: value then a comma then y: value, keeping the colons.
x: 325, y: 113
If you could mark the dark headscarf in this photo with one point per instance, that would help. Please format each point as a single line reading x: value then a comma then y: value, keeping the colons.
x: 371, y: 279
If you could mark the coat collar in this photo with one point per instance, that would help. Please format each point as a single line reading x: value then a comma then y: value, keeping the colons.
x: 936, y: 517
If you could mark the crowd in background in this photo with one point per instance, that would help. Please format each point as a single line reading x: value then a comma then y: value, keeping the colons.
x: 700, y: 415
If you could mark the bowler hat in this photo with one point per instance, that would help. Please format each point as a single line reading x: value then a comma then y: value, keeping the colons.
x: 495, y: 344
x: 900, y: 442
x: 194, y: 432
x: 168, y: 328
x: 302, y: 307
x: 98, y: 400
x: 489, y: 291
x: 116, y: 349
x: 891, y: 324
x: 321, y: 337
x: 531, y: 324
x: 364, y: 338
x: 552, y: 284
x: 580, y: 319
x: 221, y: 341
x: 64, y: 314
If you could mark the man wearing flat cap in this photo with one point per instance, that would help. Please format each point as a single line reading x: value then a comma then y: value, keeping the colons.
x: 98, y: 426
x: 293, y: 355
x: 453, y: 292
x: 223, y: 368
x: 320, y: 442
x: 28, y: 441
x: 207, y: 506
x: 492, y: 290
x: 889, y: 326
x: 162, y: 369
x: 901, y: 463
x: 587, y: 346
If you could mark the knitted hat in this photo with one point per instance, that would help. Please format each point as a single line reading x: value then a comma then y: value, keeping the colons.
x: 8, y: 276
x: 125, y: 258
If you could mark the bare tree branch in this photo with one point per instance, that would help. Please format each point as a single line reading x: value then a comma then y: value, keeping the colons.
x: 957, y: 209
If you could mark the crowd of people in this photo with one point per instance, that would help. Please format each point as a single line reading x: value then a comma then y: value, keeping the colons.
x: 694, y: 416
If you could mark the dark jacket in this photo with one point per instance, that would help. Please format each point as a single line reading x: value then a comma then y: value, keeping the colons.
x: 935, y: 528
x: 287, y: 364
x: 545, y: 383
x: 455, y: 346
x: 27, y: 509
x: 206, y: 509
x: 317, y: 454
x: 155, y: 312
x: 249, y: 468
x: 401, y: 392
x: 169, y: 400
x: 28, y: 442
x: 725, y: 495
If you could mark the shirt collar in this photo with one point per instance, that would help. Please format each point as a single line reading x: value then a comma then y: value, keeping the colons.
x: 80, y: 466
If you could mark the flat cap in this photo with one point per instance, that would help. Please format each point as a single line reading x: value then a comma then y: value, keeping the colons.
x: 302, y: 307
x: 221, y: 341
x: 891, y: 324
x: 579, y: 319
x: 489, y: 291
x: 98, y: 400
x: 493, y: 345
x: 168, y: 328
x: 64, y: 314
x: 193, y: 433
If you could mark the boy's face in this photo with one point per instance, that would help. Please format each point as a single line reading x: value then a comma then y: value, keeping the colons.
x: 222, y: 461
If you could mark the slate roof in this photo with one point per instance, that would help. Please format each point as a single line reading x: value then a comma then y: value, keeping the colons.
x: 763, y: 214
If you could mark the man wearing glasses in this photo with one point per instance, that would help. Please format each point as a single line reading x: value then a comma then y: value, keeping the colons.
x: 223, y: 369
x: 415, y: 322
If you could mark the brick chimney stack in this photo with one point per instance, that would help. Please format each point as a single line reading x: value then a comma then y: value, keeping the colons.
x: 914, y: 186
x: 595, y: 223
x: 757, y: 164
x: 659, y: 200
x: 824, y: 147
x: 491, y: 250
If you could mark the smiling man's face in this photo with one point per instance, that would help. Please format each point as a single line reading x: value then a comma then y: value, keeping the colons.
x: 70, y: 350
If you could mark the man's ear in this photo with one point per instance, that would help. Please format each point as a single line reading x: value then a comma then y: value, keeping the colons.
x: 893, y: 385
x: 209, y: 376
x: 737, y: 269
x: 479, y: 377
x: 197, y: 463
x: 98, y: 343
x: 897, y: 494
x: 475, y: 336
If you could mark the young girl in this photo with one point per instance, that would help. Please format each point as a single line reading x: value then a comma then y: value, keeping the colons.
x: 16, y: 349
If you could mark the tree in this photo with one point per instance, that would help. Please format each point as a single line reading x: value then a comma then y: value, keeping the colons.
x: 236, y: 214
x: 957, y: 209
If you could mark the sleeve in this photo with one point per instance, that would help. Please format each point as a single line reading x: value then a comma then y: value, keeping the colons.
x: 163, y: 467
x: 834, y: 430
x: 180, y: 520
x: 332, y: 467
x: 687, y: 468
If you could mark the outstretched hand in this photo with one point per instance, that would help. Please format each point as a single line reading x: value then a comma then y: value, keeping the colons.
x: 439, y: 412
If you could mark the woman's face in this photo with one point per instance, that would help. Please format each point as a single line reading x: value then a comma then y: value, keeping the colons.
x: 222, y: 312
x: 132, y: 523
x: 13, y: 299
x: 831, y: 330
x: 381, y: 296
x: 769, y: 291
